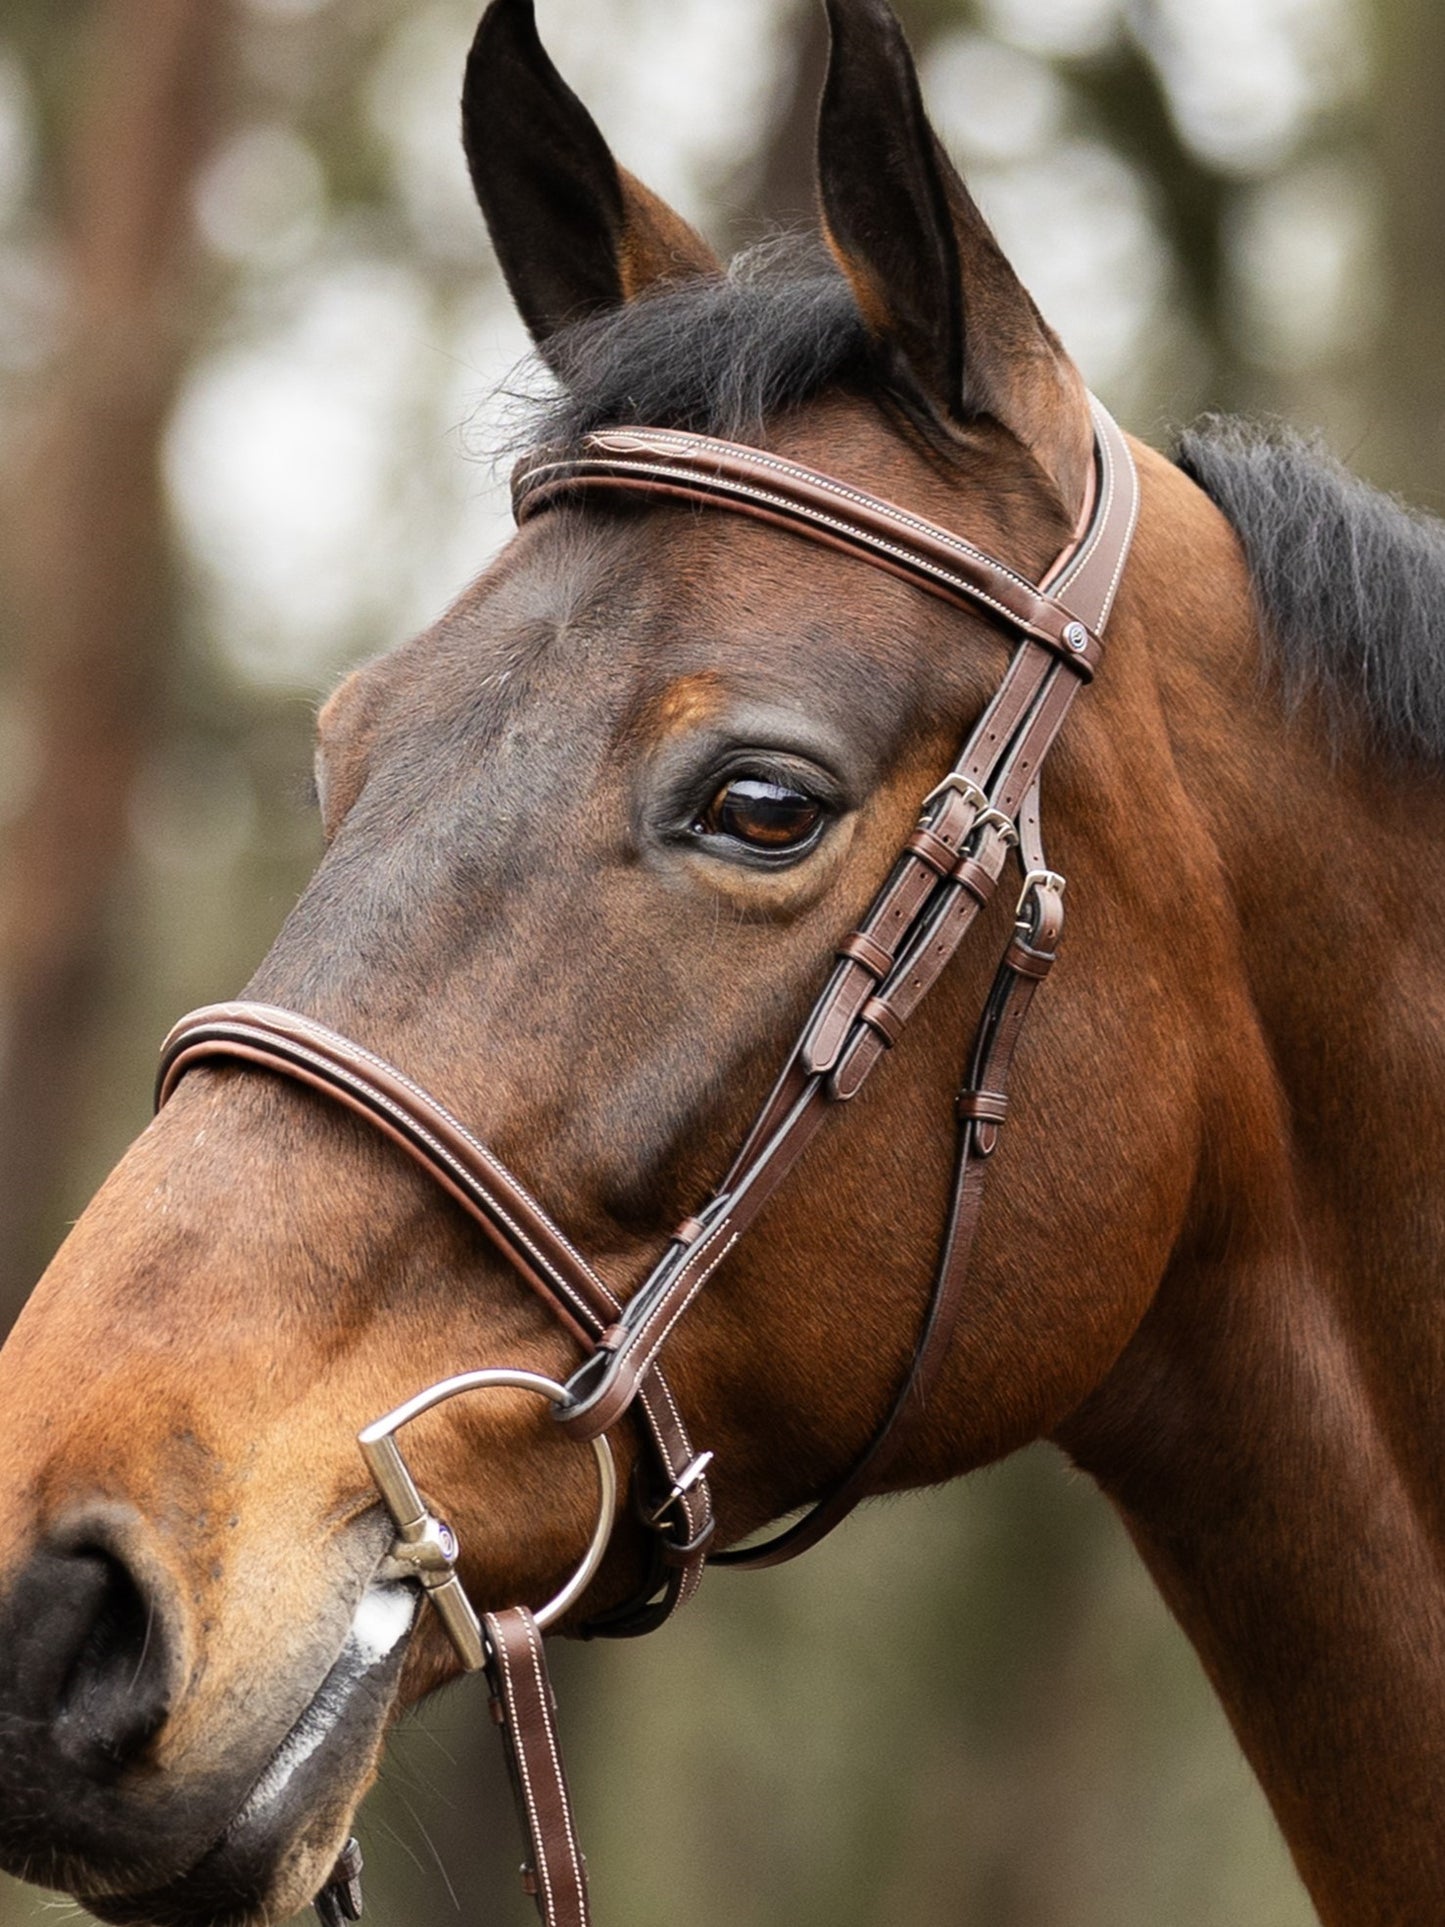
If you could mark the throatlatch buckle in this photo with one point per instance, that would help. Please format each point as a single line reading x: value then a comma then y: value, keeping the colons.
x: 1038, y: 880
x: 426, y: 1548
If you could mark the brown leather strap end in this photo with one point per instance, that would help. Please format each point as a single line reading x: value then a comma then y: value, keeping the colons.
x: 865, y: 1048
x: 556, y: 1874
x: 834, y: 1018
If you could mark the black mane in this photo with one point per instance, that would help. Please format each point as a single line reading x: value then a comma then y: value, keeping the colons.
x: 717, y: 356
x: 1350, y: 583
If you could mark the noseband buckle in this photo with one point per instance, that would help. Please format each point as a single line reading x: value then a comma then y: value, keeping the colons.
x: 426, y: 1548
x: 680, y: 1488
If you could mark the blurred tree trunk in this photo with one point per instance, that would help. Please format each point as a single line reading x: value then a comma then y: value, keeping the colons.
x: 87, y: 557
x: 1407, y: 441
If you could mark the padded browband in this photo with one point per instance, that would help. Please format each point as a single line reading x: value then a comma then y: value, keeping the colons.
x: 699, y: 468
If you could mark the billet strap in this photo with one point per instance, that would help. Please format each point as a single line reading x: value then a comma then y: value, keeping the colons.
x: 525, y: 1712
x: 307, y: 1052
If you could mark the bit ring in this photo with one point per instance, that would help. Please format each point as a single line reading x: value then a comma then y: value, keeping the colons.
x: 427, y: 1548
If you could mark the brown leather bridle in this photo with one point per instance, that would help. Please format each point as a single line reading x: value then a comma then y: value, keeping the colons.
x: 948, y: 870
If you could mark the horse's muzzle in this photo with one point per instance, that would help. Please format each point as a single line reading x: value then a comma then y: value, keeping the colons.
x: 95, y: 1661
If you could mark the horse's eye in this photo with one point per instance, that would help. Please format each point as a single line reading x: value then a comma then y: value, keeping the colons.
x: 762, y: 815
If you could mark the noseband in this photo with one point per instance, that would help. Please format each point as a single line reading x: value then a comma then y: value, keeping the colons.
x: 949, y: 869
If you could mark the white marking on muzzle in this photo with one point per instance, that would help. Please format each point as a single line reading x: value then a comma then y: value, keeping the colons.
x: 383, y: 1619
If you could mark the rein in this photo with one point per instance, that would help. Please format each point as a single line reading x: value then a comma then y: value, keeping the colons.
x: 949, y: 869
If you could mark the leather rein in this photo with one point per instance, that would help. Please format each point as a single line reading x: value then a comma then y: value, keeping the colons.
x: 947, y: 872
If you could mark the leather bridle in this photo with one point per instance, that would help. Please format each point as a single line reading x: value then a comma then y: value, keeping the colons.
x: 947, y: 872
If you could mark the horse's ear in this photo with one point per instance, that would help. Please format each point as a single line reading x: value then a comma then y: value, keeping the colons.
x: 575, y: 233
x: 927, y: 273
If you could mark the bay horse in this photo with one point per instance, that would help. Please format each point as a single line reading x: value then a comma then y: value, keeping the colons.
x: 592, y: 842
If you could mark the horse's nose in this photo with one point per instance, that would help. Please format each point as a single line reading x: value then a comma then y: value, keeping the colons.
x: 89, y: 1643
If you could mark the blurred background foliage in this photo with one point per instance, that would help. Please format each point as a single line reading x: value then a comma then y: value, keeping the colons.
x: 249, y: 329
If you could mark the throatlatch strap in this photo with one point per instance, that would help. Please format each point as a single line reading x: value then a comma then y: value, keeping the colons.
x: 524, y: 1709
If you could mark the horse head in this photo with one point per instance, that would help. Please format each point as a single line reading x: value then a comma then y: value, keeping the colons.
x: 592, y: 842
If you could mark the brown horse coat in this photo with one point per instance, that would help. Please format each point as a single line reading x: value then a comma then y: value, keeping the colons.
x: 1207, y: 1265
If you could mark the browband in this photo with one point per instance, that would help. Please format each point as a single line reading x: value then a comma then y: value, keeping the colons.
x: 703, y: 469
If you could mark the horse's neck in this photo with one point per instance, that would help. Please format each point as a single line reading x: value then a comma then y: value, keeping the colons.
x: 1275, y: 1433
x: 1243, y: 1439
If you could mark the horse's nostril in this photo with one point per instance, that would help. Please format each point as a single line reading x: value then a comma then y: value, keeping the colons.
x: 115, y: 1695
x: 89, y: 1656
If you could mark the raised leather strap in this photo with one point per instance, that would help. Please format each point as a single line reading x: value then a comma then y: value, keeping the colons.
x: 701, y: 468
x: 309, y: 1053
x: 523, y: 1707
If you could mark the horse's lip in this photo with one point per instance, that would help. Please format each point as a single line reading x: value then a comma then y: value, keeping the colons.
x: 232, y: 1880
x: 381, y: 1623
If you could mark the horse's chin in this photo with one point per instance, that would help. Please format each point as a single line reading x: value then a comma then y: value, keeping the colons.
x: 280, y: 1847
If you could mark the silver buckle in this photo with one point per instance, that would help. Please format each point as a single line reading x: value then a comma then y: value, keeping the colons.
x: 683, y: 1484
x: 965, y: 787
x: 426, y: 1548
x: 992, y: 819
x: 1049, y: 880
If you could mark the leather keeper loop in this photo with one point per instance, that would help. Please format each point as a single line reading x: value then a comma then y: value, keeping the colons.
x: 1027, y: 962
x: 979, y: 882
x: 932, y: 850
x: 861, y: 949
x: 982, y: 1107
x: 674, y: 1554
x: 884, y: 1019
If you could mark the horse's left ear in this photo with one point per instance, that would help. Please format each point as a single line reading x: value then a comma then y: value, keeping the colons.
x: 575, y: 233
x: 927, y: 273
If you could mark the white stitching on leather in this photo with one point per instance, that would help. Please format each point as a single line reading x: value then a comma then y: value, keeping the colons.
x: 573, y: 1850
x: 697, y: 1515
x: 236, y: 1031
x: 524, y: 1775
x: 698, y: 445
x: 657, y: 1344
x: 424, y: 1098
x: 860, y: 537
